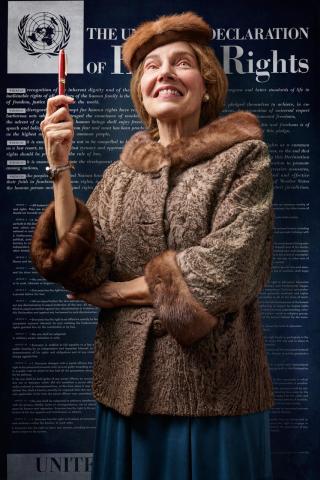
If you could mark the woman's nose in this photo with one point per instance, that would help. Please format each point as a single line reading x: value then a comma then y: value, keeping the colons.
x: 165, y: 71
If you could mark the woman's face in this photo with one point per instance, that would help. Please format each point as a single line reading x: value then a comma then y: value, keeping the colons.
x: 171, y: 84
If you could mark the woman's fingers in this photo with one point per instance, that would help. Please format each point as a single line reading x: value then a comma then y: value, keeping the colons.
x: 60, y: 115
x: 72, y: 296
x: 59, y: 136
x: 79, y: 296
x: 53, y: 132
x: 54, y: 103
x: 98, y: 297
x: 91, y: 298
x: 57, y: 129
x: 88, y: 297
x: 57, y: 126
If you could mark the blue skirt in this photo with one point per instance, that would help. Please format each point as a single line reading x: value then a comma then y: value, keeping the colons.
x: 163, y: 447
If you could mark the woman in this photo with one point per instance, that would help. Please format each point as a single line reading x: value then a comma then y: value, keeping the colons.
x: 174, y: 244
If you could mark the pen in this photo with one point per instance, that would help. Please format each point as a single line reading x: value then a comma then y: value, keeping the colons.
x: 62, y: 72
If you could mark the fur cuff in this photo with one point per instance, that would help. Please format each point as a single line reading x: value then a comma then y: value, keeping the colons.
x: 183, y: 316
x: 57, y: 262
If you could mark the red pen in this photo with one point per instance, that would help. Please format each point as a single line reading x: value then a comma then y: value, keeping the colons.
x: 62, y: 72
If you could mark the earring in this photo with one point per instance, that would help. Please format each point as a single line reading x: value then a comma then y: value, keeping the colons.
x: 206, y: 97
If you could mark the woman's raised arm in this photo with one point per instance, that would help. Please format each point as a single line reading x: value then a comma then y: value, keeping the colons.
x: 57, y: 131
x: 68, y: 246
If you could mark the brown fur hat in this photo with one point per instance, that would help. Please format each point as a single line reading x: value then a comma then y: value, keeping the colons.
x: 149, y: 35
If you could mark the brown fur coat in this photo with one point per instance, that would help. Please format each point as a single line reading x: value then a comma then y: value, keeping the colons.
x: 196, y: 219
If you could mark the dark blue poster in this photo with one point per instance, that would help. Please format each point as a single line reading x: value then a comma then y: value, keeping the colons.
x: 270, y: 53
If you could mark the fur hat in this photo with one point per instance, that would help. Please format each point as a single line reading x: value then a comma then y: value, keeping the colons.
x: 149, y: 35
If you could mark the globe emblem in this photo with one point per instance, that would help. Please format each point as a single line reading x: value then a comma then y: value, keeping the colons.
x: 43, y: 33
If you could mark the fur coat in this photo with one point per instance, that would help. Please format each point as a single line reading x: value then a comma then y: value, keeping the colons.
x: 195, y: 218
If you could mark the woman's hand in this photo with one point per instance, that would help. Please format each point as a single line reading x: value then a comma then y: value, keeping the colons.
x: 57, y: 130
x: 116, y: 294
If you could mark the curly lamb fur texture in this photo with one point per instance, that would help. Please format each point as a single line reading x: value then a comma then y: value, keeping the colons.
x: 197, y: 213
x: 149, y: 35
x: 181, y: 314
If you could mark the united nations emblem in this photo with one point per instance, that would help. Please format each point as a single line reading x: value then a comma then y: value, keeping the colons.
x: 43, y: 33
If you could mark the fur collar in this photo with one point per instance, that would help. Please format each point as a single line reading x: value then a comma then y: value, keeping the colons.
x: 143, y: 154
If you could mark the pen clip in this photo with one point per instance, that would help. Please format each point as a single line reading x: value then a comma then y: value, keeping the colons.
x: 65, y: 64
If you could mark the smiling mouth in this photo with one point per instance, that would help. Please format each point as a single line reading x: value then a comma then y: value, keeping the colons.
x: 168, y: 92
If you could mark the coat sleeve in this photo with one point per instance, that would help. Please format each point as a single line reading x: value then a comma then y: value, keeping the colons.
x: 230, y: 266
x: 81, y: 260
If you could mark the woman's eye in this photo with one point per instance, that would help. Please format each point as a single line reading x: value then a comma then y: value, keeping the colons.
x: 151, y: 65
x: 184, y: 62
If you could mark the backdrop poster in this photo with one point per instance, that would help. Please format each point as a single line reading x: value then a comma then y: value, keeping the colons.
x: 270, y: 54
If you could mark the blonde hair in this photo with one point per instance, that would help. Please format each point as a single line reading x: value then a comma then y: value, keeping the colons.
x: 215, y: 81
